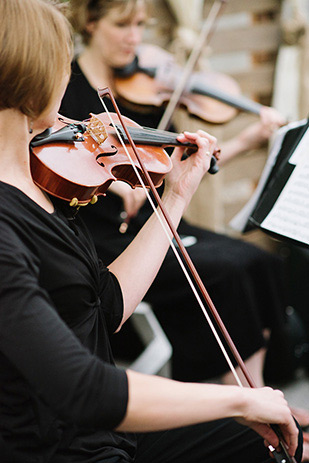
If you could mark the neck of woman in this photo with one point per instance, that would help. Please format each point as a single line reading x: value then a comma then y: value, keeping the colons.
x: 98, y: 73
x: 14, y: 143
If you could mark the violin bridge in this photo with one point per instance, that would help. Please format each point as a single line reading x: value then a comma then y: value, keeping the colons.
x: 96, y: 129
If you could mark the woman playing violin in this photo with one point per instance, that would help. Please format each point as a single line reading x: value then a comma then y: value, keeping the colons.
x: 244, y: 282
x: 62, y: 398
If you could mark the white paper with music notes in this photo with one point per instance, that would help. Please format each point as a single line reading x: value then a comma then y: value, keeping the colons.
x: 240, y: 221
x: 290, y: 214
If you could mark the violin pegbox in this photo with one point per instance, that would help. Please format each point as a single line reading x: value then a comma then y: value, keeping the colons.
x: 96, y: 129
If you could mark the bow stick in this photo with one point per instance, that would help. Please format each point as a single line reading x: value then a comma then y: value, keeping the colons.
x: 280, y: 456
x: 203, y: 39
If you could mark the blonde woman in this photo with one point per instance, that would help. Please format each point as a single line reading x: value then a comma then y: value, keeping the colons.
x: 62, y: 399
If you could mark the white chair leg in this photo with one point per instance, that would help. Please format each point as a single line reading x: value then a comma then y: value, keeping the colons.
x: 158, y: 350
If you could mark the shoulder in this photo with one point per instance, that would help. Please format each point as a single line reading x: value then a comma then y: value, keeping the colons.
x: 80, y: 98
x: 75, y: 70
x: 77, y: 75
x: 22, y: 222
x: 77, y: 79
x: 18, y: 256
x: 12, y: 206
x: 14, y: 221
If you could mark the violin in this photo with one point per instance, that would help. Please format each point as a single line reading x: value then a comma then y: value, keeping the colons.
x: 77, y: 161
x: 149, y: 80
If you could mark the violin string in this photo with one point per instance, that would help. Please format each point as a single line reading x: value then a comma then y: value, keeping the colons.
x: 189, y: 279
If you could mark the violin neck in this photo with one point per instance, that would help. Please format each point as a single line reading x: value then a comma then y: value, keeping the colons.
x: 239, y: 102
x: 154, y: 137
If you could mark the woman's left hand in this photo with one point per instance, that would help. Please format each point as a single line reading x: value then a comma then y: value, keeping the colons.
x: 186, y: 175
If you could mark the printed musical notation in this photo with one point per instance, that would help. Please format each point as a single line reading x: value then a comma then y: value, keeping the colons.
x: 290, y: 214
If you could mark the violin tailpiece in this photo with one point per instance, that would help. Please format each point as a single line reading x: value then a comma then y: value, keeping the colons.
x: 96, y: 129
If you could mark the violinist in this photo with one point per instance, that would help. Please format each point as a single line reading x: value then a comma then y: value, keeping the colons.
x: 245, y: 282
x: 62, y: 399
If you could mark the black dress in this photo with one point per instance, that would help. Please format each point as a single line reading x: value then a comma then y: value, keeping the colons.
x: 245, y: 282
x: 59, y: 306
x: 60, y: 394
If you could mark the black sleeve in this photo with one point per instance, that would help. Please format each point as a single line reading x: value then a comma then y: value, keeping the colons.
x: 80, y: 99
x: 76, y: 385
x: 111, y: 296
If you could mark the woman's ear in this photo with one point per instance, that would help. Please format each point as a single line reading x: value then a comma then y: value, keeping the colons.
x: 90, y: 27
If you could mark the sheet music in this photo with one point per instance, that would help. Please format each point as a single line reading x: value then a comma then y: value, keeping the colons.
x: 240, y: 220
x: 290, y: 215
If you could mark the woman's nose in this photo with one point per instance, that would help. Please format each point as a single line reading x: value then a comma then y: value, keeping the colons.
x: 134, y: 36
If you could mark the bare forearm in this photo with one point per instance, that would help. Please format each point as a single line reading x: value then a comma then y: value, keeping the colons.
x: 138, y: 265
x: 252, y: 137
x: 231, y: 149
x: 157, y: 403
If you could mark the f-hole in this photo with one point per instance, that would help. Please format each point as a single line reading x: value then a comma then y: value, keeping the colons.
x: 114, y: 150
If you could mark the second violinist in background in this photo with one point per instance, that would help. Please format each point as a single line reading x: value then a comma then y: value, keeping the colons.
x: 245, y: 282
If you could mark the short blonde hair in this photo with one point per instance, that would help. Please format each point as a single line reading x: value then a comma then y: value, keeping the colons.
x: 82, y: 12
x: 35, y: 54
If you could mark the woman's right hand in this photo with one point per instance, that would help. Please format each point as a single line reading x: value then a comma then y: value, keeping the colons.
x: 266, y: 405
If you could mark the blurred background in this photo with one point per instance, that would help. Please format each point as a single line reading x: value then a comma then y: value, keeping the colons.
x: 264, y: 47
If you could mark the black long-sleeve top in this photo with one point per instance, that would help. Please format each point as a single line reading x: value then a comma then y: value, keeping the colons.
x: 60, y: 393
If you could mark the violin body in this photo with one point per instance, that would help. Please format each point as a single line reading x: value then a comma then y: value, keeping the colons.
x: 79, y: 170
x: 150, y: 81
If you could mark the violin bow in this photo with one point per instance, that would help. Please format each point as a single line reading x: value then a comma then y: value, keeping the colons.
x: 280, y: 456
x: 206, y: 33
